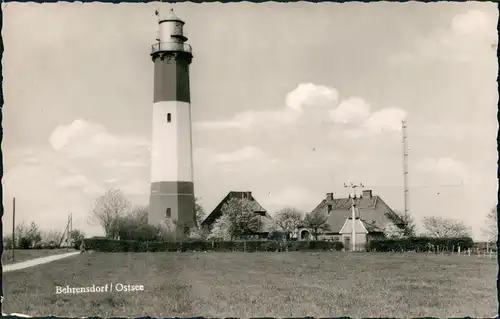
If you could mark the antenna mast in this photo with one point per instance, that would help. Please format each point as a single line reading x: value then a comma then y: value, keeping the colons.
x: 405, y: 167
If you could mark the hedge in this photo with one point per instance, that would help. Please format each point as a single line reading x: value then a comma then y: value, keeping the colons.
x: 112, y: 245
x: 420, y: 244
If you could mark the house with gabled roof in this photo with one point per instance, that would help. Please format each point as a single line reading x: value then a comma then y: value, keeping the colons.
x: 265, y: 218
x: 371, y: 218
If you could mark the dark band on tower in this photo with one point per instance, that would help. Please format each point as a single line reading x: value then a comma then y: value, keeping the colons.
x: 172, y: 189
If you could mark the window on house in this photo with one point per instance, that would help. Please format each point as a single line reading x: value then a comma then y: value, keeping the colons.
x: 329, y: 208
x: 169, y: 117
x: 168, y: 214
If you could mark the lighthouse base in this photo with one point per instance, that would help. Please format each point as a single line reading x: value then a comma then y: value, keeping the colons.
x: 172, y: 202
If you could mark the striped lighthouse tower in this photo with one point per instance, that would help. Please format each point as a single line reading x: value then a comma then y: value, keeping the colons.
x: 172, y: 189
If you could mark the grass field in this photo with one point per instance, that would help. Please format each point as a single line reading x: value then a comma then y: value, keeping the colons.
x: 27, y: 254
x: 260, y: 284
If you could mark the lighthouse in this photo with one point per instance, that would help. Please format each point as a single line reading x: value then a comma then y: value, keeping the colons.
x: 172, y: 190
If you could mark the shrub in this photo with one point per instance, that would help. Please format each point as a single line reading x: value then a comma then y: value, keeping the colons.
x: 77, y: 238
x: 420, y: 244
x: 113, y: 245
x: 7, y: 242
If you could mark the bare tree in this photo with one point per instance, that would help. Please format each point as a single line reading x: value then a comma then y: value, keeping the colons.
x: 491, y: 225
x: 288, y: 220
x: 139, y: 213
x: 317, y: 223
x: 28, y: 236
x: 445, y: 228
x: 403, y: 222
x: 109, y: 211
x: 52, y: 238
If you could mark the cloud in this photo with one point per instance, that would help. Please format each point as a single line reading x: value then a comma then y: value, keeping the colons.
x: 292, y: 196
x: 315, y: 105
x: 386, y: 120
x: 441, y: 165
x: 247, y: 153
x: 355, y: 120
x: 251, y: 119
x: 443, y: 171
x: 470, y: 36
x: 304, y: 97
x: 77, y: 180
x: 353, y: 110
x: 82, y: 139
x: 307, y: 95
x: 83, y: 160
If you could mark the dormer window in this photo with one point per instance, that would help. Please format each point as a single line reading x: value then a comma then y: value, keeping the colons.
x: 169, y: 117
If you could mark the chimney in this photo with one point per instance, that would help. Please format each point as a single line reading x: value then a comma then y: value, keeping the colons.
x: 367, y: 193
x: 329, y: 196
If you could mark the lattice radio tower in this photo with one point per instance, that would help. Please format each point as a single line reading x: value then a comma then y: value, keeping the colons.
x: 405, y: 168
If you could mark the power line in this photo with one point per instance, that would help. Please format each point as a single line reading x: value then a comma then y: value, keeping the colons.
x: 417, y: 186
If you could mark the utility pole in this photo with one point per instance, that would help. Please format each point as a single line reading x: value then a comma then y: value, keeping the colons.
x: 70, y: 227
x: 13, y: 226
x: 353, y: 209
x: 405, y: 168
x: 67, y: 234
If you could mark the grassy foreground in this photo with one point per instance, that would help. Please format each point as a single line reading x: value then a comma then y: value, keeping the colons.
x: 27, y: 254
x: 260, y: 284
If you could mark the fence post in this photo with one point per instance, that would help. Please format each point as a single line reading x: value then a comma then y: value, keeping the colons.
x: 459, y: 250
x: 244, y: 245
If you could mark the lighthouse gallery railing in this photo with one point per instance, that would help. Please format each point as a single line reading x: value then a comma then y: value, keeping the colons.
x: 171, y: 46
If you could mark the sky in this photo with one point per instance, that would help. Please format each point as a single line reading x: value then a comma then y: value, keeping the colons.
x: 289, y: 101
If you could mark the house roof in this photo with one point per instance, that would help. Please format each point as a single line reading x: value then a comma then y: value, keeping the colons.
x: 371, y: 228
x: 371, y: 209
x: 347, y: 227
x: 362, y: 227
x: 258, y: 208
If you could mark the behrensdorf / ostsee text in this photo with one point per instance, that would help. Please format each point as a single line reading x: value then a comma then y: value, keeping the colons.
x: 99, y: 288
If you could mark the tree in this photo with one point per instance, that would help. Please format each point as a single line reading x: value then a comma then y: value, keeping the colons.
x: 51, y: 238
x: 491, y: 225
x: 77, y: 237
x: 401, y: 224
x: 445, y: 227
x: 221, y: 229
x: 135, y: 226
x: 109, y: 211
x: 28, y: 236
x: 317, y: 223
x: 200, y: 212
x: 7, y: 242
x: 288, y: 220
x: 241, y: 218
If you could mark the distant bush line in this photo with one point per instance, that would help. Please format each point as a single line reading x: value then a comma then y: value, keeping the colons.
x: 420, y: 244
x: 112, y: 245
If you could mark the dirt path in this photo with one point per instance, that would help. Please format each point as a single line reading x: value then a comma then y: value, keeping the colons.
x: 37, y: 261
